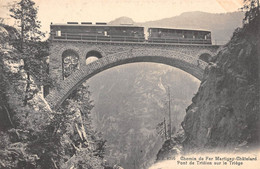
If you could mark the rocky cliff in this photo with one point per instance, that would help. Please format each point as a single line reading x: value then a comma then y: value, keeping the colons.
x: 224, y: 114
x: 33, y: 136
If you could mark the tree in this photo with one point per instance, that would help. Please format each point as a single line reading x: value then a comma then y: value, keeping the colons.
x: 252, y: 10
x: 33, y: 52
x: 25, y: 13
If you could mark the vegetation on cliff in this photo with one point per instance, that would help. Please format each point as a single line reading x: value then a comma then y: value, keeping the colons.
x: 33, y: 136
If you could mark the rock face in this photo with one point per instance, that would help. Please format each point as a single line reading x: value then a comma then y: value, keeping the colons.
x: 171, y: 148
x: 224, y: 114
x: 168, y: 151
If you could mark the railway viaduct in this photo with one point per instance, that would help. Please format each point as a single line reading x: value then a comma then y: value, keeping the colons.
x: 67, y: 64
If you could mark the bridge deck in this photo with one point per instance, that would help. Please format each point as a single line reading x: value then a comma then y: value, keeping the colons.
x: 135, y: 43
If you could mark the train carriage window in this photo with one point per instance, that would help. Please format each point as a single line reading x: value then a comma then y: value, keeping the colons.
x: 58, y: 33
x: 150, y: 33
x: 209, y: 36
x: 172, y: 32
x: 195, y: 35
x: 200, y: 36
x: 189, y: 34
x: 179, y: 33
x: 159, y: 33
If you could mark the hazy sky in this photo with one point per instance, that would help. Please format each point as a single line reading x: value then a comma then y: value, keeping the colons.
x: 61, y: 11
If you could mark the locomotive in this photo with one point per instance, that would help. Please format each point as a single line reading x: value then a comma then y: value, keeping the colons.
x: 127, y: 33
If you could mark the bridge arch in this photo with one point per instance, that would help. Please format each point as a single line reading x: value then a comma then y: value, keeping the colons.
x: 205, y: 55
x: 168, y: 57
x: 70, y: 62
x: 69, y: 47
x: 61, y: 54
x: 93, y: 54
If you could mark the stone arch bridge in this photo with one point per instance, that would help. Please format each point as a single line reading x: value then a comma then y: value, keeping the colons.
x: 68, y: 67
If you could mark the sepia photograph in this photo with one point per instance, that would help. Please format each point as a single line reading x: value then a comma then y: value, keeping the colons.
x: 129, y: 84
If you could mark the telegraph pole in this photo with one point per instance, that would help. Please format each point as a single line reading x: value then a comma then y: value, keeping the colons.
x: 165, y: 130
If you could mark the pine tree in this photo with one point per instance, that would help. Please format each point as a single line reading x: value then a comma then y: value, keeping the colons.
x: 25, y: 14
x: 33, y: 52
x: 252, y: 10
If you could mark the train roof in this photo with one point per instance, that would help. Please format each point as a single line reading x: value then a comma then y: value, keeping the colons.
x: 95, y: 25
x: 184, y: 29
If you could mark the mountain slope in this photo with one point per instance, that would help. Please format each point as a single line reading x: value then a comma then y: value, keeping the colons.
x: 221, y: 25
x: 122, y: 20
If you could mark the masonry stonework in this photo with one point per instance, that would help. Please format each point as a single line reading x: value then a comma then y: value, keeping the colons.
x: 184, y: 57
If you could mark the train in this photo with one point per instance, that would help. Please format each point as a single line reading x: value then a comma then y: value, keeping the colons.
x: 127, y: 33
x: 170, y: 35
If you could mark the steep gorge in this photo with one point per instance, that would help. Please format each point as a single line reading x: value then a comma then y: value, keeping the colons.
x: 130, y: 101
x: 224, y: 114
